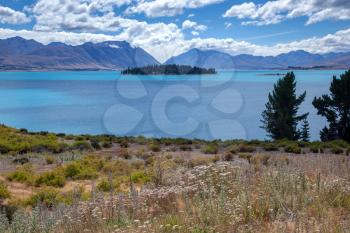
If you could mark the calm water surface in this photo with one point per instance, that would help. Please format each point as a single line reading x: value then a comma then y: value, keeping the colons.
x: 226, y: 105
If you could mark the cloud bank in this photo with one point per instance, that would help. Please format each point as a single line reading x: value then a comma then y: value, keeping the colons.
x: 10, y: 16
x: 273, y: 12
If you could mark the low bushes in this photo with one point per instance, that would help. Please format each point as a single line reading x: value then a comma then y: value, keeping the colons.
x: 107, y: 144
x: 81, y: 145
x: 124, y: 153
x: 337, y: 150
x: 246, y: 149
x: 50, y: 159
x: 47, y: 197
x: 292, y: 148
x: 51, y: 178
x: 154, y: 147
x: 107, y: 185
x: 4, y: 193
x: 210, y: 149
x: 261, y: 159
x: 245, y: 156
x: 140, y: 177
x: 80, y: 171
x: 22, y: 175
x: 95, y: 144
x: 270, y: 147
x: 118, y: 168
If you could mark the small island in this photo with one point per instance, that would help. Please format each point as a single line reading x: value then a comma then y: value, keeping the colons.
x: 168, y: 70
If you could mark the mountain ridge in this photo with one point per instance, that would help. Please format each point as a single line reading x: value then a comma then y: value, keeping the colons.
x: 20, y: 54
x: 17, y: 53
x: 297, y: 59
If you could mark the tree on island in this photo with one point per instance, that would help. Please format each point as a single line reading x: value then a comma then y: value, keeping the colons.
x: 336, y: 108
x: 305, y: 131
x: 167, y: 70
x: 280, y: 118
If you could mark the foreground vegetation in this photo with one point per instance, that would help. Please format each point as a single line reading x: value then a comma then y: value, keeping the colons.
x: 120, y: 184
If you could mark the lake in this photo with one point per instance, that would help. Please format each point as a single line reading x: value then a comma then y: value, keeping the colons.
x: 226, y: 105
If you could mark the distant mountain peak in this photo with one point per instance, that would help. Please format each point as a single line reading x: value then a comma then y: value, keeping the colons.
x: 18, y: 53
x: 220, y: 60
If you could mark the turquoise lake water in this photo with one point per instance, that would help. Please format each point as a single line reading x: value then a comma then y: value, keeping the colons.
x: 226, y: 105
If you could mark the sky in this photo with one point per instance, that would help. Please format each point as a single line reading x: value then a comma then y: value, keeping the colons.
x: 166, y: 28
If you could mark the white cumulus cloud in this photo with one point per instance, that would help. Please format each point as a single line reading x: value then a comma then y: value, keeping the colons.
x: 188, y: 24
x: 10, y: 16
x: 273, y: 12
x: 158, y: 8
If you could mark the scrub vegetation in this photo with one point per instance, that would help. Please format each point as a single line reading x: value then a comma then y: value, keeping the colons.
x: 135, y: 184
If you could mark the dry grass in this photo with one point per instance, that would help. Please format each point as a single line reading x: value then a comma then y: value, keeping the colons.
x: 272, y: 193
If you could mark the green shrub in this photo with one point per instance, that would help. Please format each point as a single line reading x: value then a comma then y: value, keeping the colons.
x: 295, y: 149
x: 232, y: 149
x: 154, y: 147
x: 140, y: 177
x: 210, y: 149
x: 21, y: 160
x: 22, y: 175
x: 124, y: 153
x: 245, y: 156
x: 81, y: 145
x: 95, y: 144
x: 124, y: 144
x: 4, y: 193
x: 107, y: 145
x: 78, y: 171
x: 72, y: 170
x: 228, y: 156
x: 315, y: 149
x: 4, y: 149
x: 246, y: 149
x: 337, y: 150
x: 118, y: 168
x: 51, y: 178
x: 337, y: 143
x: 107, y: 185
x: 50, y: 159
x: 261, y: 159
x: 46, y: 196
x: 270, y: 147
x: 137, y: 164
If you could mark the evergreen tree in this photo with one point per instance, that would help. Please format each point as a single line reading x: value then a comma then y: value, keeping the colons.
x: 305, y: 131
x: 280, y: 119
x: 336, y: 108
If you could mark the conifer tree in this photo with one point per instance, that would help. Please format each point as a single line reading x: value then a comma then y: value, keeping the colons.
x: 280, y: 118
x: 336, y: 108
x: 305, y: 131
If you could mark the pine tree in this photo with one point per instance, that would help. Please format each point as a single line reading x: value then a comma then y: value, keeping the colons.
x: 336, y: 108
x: 305, y: 131
x: 280, y: 118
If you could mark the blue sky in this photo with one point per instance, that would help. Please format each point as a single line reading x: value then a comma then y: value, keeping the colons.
x: 169, y: 27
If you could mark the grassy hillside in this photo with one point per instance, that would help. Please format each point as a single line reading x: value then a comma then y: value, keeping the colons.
x: 82, y: 183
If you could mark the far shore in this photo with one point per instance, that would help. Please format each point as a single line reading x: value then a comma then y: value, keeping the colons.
x: 119, y: 70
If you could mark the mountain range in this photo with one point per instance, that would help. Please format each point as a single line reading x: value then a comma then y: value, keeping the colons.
x: 20, y: 54
x: 296, y: 59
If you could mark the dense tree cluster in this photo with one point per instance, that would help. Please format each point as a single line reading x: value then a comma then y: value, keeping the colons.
x: 167, y: 70
x: 281, y: 120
